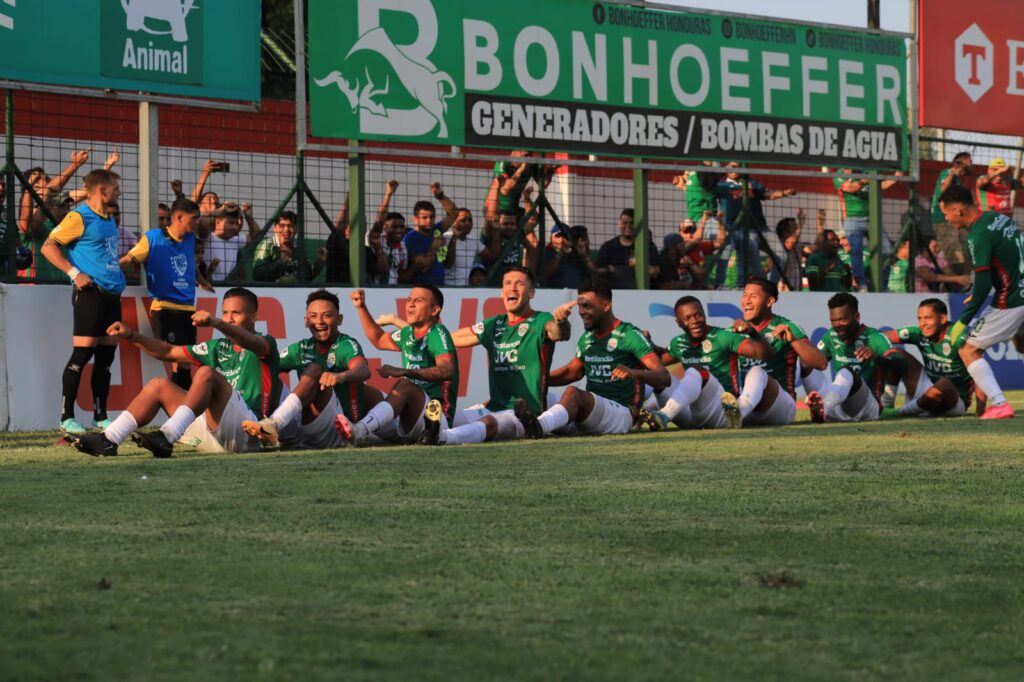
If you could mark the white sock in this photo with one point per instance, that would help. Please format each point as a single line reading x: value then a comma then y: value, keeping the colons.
x: 982, y: 374
x: 753, y: 390
x: 911, y: 408
x: 553, y: 418
x: 380, y: 414
x: 841, y: 386
x: 121, y: 428
x: 682, y: 393
x: 889, y: 395
x: 473, y: 432
x: 287, y: 412
x: 174, y: 427
x: 816, y: 380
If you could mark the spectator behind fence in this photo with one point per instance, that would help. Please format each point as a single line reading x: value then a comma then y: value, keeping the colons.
x: 794, y: 250
x: 226, y: 240
x: 899, y: 271
x: 276, y: 259
x: 730, y: 191
x: 508, y: 243
x: 953, y: 242
x: 169, y: 254
x: 478, y: 275
x: 678, y: 270
x: 40, y: 225
x: 994, y: 190
x: 463, y: 250
x: 510, y: 179
x: 616, y: 258
x: 424, y: 244
x: 825, y: 269
x: 567, y: 258
x: 853, y: 200
x: 208, y: 201
x: 932, y: 273
x: 393, y: 258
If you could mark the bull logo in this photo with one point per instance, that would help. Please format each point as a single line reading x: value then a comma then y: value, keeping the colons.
x: 366, y: 93
x: 171, y: 12
x: 180, y: 263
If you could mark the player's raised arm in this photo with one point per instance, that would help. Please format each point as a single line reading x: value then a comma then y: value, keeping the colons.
x: 376, y: 335
x: 161, y: 350
x: 242, y: 337
x: 754, y: 346
x: 560, y: 329
x: 567, y: 374
x: 465, y: 337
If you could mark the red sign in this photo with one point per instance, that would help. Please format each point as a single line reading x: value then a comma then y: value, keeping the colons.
x: 971, y: 65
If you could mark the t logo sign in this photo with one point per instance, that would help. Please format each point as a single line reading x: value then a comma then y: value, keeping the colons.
x: 974, y: 62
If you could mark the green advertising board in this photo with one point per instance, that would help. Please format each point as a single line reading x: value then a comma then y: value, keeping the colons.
x: 207, y: 49
x: 602, y: 78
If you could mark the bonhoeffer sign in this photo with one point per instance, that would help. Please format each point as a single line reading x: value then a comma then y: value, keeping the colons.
x: 603, y: 78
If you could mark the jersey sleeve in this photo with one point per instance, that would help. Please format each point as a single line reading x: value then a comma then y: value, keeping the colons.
x: 825, y: 345
x: 69, y: 230
x: 675, y: 347
x: 911, y: 335
x: 272, y: 358
x: 350, y: 350
x: 730, y: 340
x: 981, y: 250
x: 140, y: 251
x: 396, y: 336
x: 439, y: 341
x: 291, y: 358
x: 638, y: 344
x: 484, y: 333
x: 204, y: 353
x: 581, y: 346
x: 878, y: 343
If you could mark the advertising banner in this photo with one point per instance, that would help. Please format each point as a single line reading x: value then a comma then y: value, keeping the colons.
x: 35, y: 347
x: 972, y: 65
x: 173, y: 47
x: 604, y: 78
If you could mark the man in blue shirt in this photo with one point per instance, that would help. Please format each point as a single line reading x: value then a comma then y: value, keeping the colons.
x: 89, y: 237
x: 425, y: 244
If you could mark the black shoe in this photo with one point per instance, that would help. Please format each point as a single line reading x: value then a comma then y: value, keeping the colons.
x: 528, y: 419
x: 154, y: 441
x: 95, y: 444
x: 431, y: 423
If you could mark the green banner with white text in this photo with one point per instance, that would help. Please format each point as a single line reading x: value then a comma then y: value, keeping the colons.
x: 192, y: 48
x: 601, y: 78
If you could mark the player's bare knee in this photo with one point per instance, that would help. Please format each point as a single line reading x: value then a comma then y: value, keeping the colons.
x: 569, y: 397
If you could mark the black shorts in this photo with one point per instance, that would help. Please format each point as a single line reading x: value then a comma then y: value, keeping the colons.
x: 95, y: 310
x: 176, y: 326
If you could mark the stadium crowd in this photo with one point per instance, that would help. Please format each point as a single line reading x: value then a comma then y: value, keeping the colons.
x: 742, y: 375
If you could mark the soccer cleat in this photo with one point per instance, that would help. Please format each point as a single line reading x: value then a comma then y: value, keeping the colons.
x: 95, y: 444
x: 431, y: 424
x: 817, y: 407
x: 72, y: 427
x: 731, y: 407
x: 654, y: 420
x: 265, y: 430
x: 528, y: 419
x: 888, y: 398
x: 1003, y: 411
x: 101, y: 424
x: 344, y: 429
x: 154, y: 441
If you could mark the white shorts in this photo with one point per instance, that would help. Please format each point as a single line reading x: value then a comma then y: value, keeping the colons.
x: 413, y: 435
x: 470, y: 415
x: 322, y: 433
x: 706, y: 411
x: 607, y: 417
x: 229, y: 435
x: 859, y: 406
x: 995, y: 325
x: 781, y: 413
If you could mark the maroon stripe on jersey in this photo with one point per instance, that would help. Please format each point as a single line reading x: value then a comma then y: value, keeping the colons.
x: 791, y: 359
x: 266, y: 383
x: 547, y: 348
x: 1001, y: 281
x: 446, y: 397
x: 734, y: 374
x: 353, y: 401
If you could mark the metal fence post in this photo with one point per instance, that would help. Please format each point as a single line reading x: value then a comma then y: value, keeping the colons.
x: 357, y: 219
x: 640, y: 254
x: 9, y: 242
x: 875, y: 235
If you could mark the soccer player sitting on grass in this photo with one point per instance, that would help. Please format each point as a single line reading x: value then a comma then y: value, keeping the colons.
x: 861, y: 357
x: 770, y: 385
x: 429, y: 371
x: 951, y: 386
x: 209, y: 415
x: 711, y: 382
x: 332, y: 374
x: 617, y: 360
x: 519, y: 344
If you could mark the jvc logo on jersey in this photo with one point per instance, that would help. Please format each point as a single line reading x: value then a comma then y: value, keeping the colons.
x: 505, y: 356
x: 599, y: 371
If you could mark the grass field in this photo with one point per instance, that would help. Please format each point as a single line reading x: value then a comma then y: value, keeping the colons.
x: 890, y: 550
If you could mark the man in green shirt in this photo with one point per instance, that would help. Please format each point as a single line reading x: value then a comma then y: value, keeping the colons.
x: 997, y: 251
x: 946, y: 388
x: 429, y: 371
x: 617, y: 360
x: 332, y: 373
x: 276, y: 258
x: 824, y: 269
x: 863, y: 360
x: 236, y: 380
x: 519, y: 344
x: 952, y: 242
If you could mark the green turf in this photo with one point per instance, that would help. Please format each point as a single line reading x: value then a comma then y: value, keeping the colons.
x: 889, y: 550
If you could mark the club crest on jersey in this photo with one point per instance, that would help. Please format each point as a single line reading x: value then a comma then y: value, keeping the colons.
x: 946, y: 348
x: 201, y: 349
x: 706, y: 346
x: 331, y: 357
x: 613, y: 343
x: 180, y: 263
x: 904, y: 333
x: 858, y: 344
x: 769, y: 338
x: 478, y: 328
x: 523, y: 328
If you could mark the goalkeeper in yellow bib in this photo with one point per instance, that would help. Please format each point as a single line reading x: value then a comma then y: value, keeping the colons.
x: 997, y: 252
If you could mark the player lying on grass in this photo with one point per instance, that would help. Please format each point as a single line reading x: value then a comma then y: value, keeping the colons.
x: 519, y: 344
x: 332, y: 375
x: 706, y: 396
x: 429, y: 371
x: 617, y: 360
x: 951, y: 386
x: 861, y: 357
x: 209, y: 415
